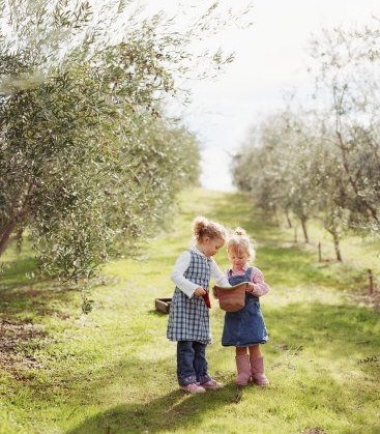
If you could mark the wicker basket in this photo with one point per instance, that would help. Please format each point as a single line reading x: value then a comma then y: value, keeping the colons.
x: 231, y: 299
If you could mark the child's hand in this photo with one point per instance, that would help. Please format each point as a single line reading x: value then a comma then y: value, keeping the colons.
x: 199, y: 292
x: 250, y: 288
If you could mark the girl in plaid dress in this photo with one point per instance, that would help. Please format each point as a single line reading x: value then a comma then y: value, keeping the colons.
x: 189, y: 323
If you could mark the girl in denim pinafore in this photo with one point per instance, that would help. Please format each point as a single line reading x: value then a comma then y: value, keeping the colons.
x: 245, y: 329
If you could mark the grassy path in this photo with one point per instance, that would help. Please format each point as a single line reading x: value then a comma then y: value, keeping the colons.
x: 113, y: 371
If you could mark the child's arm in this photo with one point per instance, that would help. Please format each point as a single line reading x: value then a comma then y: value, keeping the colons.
x: 177, y: 275
x: 259, y: 286
x: 220, y: 277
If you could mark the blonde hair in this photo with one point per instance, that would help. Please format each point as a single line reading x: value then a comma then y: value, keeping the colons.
x: 202, y: 227
x: 239, y: 242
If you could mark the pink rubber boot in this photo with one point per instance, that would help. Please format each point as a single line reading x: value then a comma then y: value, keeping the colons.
x: 258, y: 376
x: 243, y: 367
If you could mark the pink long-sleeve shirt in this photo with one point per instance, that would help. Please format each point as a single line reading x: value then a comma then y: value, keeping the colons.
x: 257, y: 278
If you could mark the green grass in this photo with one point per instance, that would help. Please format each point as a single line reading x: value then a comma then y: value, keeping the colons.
x: 113, y: 371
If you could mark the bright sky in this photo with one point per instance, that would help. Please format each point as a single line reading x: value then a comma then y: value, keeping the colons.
x: 270, y: 57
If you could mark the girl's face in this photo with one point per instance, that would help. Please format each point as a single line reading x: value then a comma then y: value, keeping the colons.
x: 211, y: 246
x: 238, y: 259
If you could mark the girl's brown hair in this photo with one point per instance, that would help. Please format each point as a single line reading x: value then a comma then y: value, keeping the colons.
x: 202, y: 227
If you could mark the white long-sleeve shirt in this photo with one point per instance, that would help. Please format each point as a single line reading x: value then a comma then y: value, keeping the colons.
x: 185, y: 285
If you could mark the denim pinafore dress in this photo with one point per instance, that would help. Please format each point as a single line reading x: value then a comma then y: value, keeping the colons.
x: 246, y: 327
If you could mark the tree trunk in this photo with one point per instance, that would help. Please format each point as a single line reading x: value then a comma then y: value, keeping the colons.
x: 17, y: 222
x: 335, y: 234
x: 353, y: 182
x: 288, y: 218
x: 304, y: 230
x: 5, y: 235
x: 12, y: 226
x: 337, y: 246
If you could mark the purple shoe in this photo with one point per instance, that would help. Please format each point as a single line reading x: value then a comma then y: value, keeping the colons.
x: 211, y: 385
x: 193, y: 388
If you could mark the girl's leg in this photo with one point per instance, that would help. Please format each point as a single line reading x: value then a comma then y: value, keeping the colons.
x: 200, y: 363
x: 185, y: 363
x: 255, y: 351
x: 243, y: 366
x: 240, y: 351
x: 186, y: 374
x: 257, y: 366
x: 201, y: 368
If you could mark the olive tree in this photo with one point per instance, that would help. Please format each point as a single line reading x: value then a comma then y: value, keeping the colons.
x: 347, y: 78
x: 278, y: 159
x: 88, y: 157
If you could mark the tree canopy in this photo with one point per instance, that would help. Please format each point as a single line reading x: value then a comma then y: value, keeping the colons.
x: 319, y: 158
x: 89, y: 158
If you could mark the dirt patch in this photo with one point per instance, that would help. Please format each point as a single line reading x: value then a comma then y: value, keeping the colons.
x: 371, y: 300
x: 375, y: 300
x: 18, y: 341
x: 314, y: 431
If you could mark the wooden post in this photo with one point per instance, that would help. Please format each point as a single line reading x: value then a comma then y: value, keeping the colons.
x: 370, y: 276
x: 320, y: 252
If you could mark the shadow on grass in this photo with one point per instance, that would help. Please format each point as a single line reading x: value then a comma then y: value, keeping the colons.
x: 24, y: 291
x: 166, y: 413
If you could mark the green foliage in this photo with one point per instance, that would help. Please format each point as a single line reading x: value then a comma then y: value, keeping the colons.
x: 88, y: 159
x: 276, y: 166
x: 345, y: 61
x: 86, y: 172
x: 319, y: 158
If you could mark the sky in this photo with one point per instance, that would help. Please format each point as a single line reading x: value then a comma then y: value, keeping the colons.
x: 271, y: 57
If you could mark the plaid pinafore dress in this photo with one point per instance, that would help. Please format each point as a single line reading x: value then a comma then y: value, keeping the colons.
x: 189, y: 317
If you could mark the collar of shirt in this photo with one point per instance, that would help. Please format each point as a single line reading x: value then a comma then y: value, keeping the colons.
x: 196, y: 250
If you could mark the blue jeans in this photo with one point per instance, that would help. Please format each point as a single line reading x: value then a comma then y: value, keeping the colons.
x: 192, y: 365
